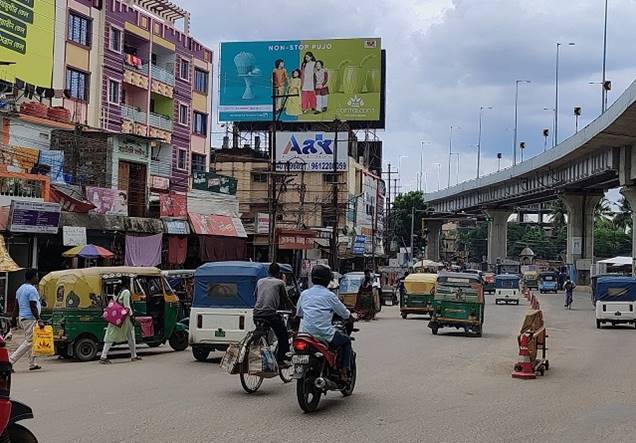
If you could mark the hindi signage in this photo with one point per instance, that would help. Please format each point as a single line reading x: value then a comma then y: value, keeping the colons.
x: 73, y: 235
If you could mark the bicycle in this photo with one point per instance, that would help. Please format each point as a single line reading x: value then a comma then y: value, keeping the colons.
x: 263, y: 335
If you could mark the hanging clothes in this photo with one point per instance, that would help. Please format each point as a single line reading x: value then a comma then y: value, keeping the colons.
x: 143, y: 251
x: 215, y: 248
x: 177, y: 250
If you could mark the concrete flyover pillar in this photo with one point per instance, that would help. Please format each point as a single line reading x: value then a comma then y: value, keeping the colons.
x: 580, y: 238
x: 630, y: 195
x: 433, y: 238
x: 497, y: 234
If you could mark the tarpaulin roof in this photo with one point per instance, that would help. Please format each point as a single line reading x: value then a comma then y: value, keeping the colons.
x: 615, y: 288
x: 618, y: 261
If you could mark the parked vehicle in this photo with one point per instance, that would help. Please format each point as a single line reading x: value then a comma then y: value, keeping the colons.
x: 615, y: 300
x: 548, y: 282
x: 489, y: 282
x: 74, y: 301
x: 223, y: 303
x: 418, y: 294
x: 348, y: 290
x: 531, y: 279
x: 507, y: 289
x: 458, y: 303
x: 182, y: 283
x: 11, y: 411
x: 316, y: 371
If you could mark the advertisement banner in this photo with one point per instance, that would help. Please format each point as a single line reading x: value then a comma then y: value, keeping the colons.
x: 26, y: 30
x: 221, y: 225
x: 34, y: 217
x: 212, y: 182
x: 173, y: 205
x: 324, y: 79
x: 295, y: 239
x: 262, y: 223
x: 108, y: 201
x: 73, y: 235
x: 310, y: 151
x: 359, y: 242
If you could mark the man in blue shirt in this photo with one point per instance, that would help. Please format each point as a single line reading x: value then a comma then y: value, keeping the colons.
x: 316, y: 308
x: 29, y: 307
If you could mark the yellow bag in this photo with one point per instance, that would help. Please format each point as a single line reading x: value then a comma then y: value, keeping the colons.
x: 43, y: 343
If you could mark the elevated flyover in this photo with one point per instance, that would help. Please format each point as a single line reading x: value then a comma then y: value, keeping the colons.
x: 578, y: 171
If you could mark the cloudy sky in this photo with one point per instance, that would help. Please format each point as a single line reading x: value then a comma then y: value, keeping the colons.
x: 446, y: 58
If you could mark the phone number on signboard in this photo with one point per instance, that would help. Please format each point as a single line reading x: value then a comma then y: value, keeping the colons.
x: 311, y: 166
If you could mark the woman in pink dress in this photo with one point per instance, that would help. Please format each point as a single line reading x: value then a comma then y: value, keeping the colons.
x: 308, y: 83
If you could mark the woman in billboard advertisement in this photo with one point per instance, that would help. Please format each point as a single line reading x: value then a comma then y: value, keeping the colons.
x: 307, y: 77
x: 293, y: 102
x: 321, y: 76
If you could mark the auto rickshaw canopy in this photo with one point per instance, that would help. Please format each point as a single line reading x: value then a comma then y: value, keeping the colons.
x: 420, y: 283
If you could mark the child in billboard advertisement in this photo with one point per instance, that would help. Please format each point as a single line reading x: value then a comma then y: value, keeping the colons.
x: 293, y: 102
x: 321, y: 77
x: 280, y: 82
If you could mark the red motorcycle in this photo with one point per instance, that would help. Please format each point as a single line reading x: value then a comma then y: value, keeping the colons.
x: 316, y: 370
x: 11, y: 411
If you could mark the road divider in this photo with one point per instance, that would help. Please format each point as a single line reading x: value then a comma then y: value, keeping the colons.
x: 532, y: 343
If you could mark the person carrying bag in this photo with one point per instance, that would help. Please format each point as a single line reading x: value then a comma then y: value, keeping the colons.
x: 121, y: 327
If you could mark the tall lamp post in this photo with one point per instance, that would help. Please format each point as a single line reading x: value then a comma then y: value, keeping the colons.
x: 553, y: 111
x: 604, y: 88
x: 481, y: 117
x: 514, y: 143
x: 499, y: 155
x: 438, y: 166
x: 399, y: 189
x: 450, y: 152
x: 422, y: 143
x: 556, y: 93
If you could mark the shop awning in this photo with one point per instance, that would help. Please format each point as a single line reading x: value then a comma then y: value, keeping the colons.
x: 70, y: 198
x: 219, y: 225
x: 323, y: 242
x: 103, y: 222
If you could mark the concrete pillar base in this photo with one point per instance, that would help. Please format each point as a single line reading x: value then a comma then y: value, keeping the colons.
x: 433, y: 239
x: 497, y: 235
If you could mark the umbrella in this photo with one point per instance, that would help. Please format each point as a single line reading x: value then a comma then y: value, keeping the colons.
x: 89, y: 251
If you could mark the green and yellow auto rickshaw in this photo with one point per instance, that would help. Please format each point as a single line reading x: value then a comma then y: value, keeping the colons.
x: 458, y: 303
x: 531, y: 279
x: 74, y: 300
x: 419, y: 290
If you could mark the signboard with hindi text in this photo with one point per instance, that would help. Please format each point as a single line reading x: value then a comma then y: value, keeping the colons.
x: 34, y: 217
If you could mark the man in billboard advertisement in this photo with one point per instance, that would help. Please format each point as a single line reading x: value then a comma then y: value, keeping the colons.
x: 324, y: 80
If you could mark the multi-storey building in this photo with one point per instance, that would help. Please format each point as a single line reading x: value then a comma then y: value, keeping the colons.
x: 131, y: 66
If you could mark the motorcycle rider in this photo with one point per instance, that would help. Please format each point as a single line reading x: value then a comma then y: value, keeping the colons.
x: 271, y: 296
x: 316, y: 308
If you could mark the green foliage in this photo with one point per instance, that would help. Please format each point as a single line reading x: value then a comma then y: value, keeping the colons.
x: 546, y: 244
x: 609, y: 241
x: 474, y: 241
x: 402, y: 210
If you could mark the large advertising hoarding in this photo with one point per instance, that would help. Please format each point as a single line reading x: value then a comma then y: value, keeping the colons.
x: 310, y: 151
x: 326, y: 80
x: 26, y: 40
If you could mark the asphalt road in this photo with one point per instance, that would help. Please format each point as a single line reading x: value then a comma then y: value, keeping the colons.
x: 412, y: 387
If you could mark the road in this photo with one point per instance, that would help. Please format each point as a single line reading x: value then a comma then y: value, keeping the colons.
x: 412, y: 387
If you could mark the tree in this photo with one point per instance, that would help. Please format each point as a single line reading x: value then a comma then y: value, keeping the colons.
x: 609, y: 241
x: 401, y: 215
x: 558, y: 214
x: 473, y: 241
x: 603, y: 210
x: 623, y: 218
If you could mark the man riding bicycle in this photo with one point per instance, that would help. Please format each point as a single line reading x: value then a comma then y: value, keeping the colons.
x: 271, y: 296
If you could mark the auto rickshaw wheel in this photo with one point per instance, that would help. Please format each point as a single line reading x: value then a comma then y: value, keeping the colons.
x: 85, y: 349
x: 178, y: 341
x: 200, y: 354
x: 598, y: 324
x: 404, y: 315
x: 434, y: 330
x: 19, y: 434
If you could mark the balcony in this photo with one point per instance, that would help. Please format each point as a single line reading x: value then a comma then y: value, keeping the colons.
x: 160, y: 121
x: 132, y: 113
x: 161, y: 74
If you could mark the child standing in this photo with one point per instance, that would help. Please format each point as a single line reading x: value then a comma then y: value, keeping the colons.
x: 279, y: 78
x: 322, y: 91
x: 293, y: 102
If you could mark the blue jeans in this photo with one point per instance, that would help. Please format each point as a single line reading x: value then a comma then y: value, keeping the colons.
x: 343, y: 344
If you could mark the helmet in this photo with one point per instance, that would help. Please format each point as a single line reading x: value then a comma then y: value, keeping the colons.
x: 321, y: 275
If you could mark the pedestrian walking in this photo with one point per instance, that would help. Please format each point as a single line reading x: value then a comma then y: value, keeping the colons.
x: 569, y: 288
x: 29, y: 308
x: 125, y: 332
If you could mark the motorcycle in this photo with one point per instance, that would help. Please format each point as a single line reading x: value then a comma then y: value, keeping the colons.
x: 316, y: 369
x: 11, y: 411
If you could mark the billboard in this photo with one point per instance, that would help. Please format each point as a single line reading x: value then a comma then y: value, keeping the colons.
x: 26, y: 40
x: 310, y: 151
x: 325, y: 79
x: 34, y: 217
x: 108, y: 201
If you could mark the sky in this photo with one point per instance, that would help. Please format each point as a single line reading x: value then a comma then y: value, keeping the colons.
x: 448, y: 58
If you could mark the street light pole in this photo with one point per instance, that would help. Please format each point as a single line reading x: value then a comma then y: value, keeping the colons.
x: 438, y: 166
x: 556, y: 93
x: 603, y: 89
x: 412, y: 255
x: 399, y: 172
x: 422, y: 143
x: 450, y: 153
x: 514, y: 143
x: 481, y: 116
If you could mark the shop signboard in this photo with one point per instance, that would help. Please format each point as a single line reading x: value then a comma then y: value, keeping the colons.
x: 221, y: 225
x: 212, y: 182
x: 26, y: 30
x: 73, y: 235
x: 262, y: 223
x: 310, y: 151
x: 325, y: 79
x: 108, y: 201
x: 296, y: 239
x: 359, y: 244
x: 34, y: 217
x: 173, y: 205
x: 176, y: 226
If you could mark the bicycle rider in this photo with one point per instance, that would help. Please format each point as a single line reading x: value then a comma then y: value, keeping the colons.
x: 271, y: 296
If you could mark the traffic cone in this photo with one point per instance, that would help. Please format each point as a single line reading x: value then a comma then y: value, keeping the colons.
x: 524, y: 369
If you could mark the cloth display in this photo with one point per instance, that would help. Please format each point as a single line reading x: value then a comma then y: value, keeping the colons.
x: 177, y: 250
x: 143, y: 251
x: 214, y: 248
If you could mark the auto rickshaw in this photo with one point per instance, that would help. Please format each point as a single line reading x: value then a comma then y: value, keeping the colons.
x: 507, y: 289
x: 548, y: 282
x: 458, y: 303
x: 489, y: 282
x: 74, y: 301
x: 348, y: 290
x: 615, y: 300
x: 181, y: 282
x: 418, y: 294
x: 531, y: 279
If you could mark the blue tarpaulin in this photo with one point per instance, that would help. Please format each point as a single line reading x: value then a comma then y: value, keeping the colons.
x: 616, y: 288
x: 55, y: 161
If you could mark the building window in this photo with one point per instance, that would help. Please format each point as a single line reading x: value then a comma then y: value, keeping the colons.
x: 198, y: 162
x: 115, y: 39
x: 79, y: 29
x: 200, y: 123
x: 184, y: 112
x: 113, y: 92
x: 201, y: 80
x: 77, y: 84
x: 258, y: 177
x: 328, y: 216
x: 184, y: 70
x: 330, y: 178
x: 182, y: 159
